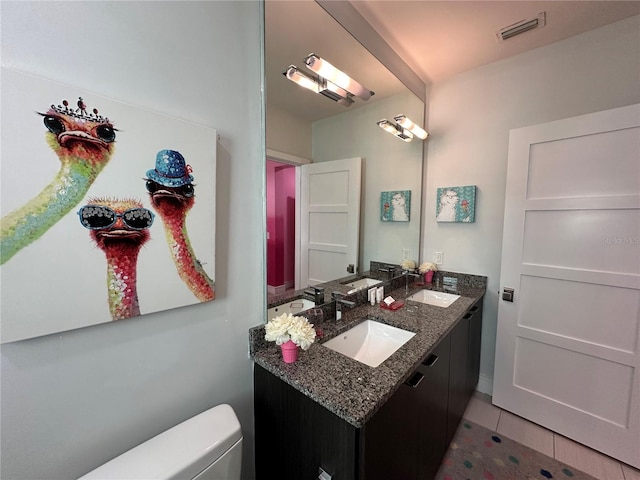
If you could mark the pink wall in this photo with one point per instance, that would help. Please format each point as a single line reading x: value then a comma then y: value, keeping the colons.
x: 287, y: 208
x: 280, y: 223
x: 271, y: 223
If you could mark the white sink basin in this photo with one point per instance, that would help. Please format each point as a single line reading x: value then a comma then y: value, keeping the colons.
x: 370, y: 342
x: 362, y: 283
x: 294, y: 307
x: 439, y: 299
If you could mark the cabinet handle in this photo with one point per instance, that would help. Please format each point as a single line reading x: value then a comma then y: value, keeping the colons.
x: 474, y: 308
x: 415, y: 380
x: 468, y: 315
x: 431, y: 360
x: 322, y: 475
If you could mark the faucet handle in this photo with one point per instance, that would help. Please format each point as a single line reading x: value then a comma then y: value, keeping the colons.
x: 390, y: 271
x: 317, y: 293
x: 339, y: 299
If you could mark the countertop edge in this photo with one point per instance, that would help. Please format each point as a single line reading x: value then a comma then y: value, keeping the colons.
x: 349, y: 389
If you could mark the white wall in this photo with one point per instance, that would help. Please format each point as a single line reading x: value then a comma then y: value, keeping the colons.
x: 469, y: 121
x: 74, y: 400
x: 288, y: 134
x: 388, y: 164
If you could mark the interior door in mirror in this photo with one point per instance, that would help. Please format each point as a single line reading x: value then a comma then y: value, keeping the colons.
x: 329, y: 220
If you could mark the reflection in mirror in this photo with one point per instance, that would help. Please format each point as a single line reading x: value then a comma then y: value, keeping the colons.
x: 303, y: 127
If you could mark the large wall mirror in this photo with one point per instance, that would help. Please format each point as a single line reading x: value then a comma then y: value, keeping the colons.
x: 303, y: 127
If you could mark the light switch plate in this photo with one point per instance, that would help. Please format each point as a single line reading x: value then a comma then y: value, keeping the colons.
x: 437, y: 257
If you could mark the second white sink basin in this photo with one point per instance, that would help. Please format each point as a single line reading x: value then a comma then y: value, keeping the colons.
x: 439, y: 299
x: 363, y: 283
x: 370, y: 342
x: 294, y: 307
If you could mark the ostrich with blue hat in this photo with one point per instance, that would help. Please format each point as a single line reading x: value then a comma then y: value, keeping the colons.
x: 172, y: 196
x: 172, y: 172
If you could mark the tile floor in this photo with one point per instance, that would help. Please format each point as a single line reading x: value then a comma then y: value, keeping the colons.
x: 602, y: 467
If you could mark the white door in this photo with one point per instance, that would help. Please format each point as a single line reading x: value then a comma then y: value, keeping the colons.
x: 567, y: 347
x: 329, y: 220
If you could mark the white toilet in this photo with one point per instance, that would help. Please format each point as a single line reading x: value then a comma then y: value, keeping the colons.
x: 205, y: 447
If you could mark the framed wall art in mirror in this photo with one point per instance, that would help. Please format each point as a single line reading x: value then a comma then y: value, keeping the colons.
x: 395, y: 206
x: 108, y: 210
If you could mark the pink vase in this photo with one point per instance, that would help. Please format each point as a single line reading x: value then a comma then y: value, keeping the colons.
x: 289, y: 352
x: 428, y: 276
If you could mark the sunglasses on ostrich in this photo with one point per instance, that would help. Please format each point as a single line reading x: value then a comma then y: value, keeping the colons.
x: 95, y: 217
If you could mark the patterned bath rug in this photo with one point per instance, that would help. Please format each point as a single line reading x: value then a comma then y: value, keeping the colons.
x: 477, y: 453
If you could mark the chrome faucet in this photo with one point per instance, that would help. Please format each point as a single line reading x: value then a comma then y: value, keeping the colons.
x: 408, y: 274
x: 340, y: 302
x: 390, y: 270
x: 317, y: 293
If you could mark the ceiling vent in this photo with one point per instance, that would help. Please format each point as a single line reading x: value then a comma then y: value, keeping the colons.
x: 522, y: 26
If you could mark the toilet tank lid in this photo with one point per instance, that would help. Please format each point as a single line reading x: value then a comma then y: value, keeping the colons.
x: 182, y: 451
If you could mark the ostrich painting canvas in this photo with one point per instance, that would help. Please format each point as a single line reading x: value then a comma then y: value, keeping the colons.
x: 80, y: 188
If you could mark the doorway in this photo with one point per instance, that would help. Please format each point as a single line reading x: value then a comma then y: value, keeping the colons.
x: 281, y: 223
x: 567, y: 353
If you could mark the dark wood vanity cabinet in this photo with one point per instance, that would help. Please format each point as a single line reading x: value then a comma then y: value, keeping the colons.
x: 295, y: 435
x: 406, y: 438
x: 475, y: 341
x: 465, y: 365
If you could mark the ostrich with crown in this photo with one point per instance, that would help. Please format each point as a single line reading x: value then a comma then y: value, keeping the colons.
x: 84, y: 144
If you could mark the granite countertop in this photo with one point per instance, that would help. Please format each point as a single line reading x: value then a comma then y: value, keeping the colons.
x: 350, y: 389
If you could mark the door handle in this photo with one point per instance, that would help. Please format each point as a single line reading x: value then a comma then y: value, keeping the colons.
x: 508, y: 294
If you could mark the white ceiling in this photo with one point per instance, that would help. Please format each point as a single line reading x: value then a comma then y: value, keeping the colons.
x: 437, y: 39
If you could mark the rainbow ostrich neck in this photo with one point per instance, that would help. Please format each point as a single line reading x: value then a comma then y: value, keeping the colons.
x: 28, y: 223
x: 189, y: 267
x: 122, y: 280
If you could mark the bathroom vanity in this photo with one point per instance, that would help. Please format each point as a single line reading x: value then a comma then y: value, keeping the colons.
x: 333, y: 414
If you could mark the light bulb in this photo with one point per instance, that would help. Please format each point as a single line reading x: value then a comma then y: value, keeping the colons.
x: 404, y: 122
x: 331, y: 73
x: 296, y: 76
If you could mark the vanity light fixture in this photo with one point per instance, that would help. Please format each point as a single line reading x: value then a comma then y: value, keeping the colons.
x: 319, y: 85
x: 330, y: 82
x: 396, y: 130
x: 325, y: 70
x: 407, y: 124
